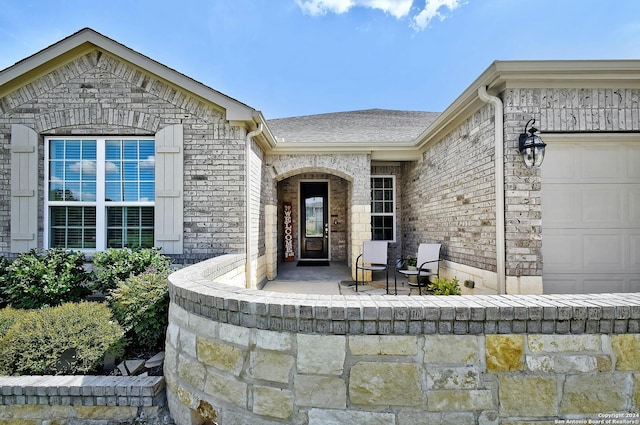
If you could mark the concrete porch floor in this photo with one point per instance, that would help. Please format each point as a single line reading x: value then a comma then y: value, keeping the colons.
x: 325, y: 280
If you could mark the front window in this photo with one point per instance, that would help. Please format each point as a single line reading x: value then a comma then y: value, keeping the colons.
x: 383, y: 207
x: 100, y: 193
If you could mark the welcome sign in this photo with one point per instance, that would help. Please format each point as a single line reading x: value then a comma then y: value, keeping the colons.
x: 288, y: 233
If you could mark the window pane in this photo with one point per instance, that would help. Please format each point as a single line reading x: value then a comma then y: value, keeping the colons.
x: 89, y: 150
x: 147, y: 149
x: 56, y: 192
x: 58, y: 216
x: 89, y: 192
x: 130, y: 149
x: 147, y: 217
x: 113, y: 192
x: 74, y: 216
x: 147, y: 191
x: 114, y: 217
x: 112, y: 169
x: 89, y: 217
x: 130, y: 192
x: 56, y: 149
x: 89, y: 238
x: 112, y: 149
x: 130, y: 227
x: 133, y: 217
x: 72, y: 149
x: 72, y: 171
x: 73, y: 227
x: 72, y: 192
x: 133, y: 238
x: 114, y: 238
x: 130, y: 171
x: 146, y: 238
x: 56, y: 171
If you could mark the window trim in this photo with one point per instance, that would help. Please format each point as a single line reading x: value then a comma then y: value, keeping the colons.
x: 101, y: 206
x: 392, y: 214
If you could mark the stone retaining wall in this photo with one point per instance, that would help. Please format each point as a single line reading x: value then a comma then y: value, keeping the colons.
x: 45, y: 400
x: 237, y: 356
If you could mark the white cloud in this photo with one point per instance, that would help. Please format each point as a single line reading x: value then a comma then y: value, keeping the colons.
x: 87, y: 167
x: 150, y: 162
x: 111, y: 167
x: 396, y: 8
x: 432, y: 10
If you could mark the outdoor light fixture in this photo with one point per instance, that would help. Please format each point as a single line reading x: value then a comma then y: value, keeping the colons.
x: 531, y: 147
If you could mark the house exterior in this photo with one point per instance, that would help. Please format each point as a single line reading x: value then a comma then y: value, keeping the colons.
x: 101, y: 146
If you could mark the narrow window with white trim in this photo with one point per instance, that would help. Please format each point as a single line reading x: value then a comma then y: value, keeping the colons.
x: 383, y: 208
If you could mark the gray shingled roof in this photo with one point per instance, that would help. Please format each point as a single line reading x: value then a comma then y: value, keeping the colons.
x: 371, y: 125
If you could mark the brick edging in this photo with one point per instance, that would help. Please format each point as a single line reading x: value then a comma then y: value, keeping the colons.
x: 195, y: 290
x: 75, y: 390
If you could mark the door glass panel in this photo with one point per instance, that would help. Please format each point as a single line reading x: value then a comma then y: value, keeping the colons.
x: 314, y: 223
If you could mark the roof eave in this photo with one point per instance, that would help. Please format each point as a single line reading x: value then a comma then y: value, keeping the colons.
x: 378, y: 151
x: 501, y: 75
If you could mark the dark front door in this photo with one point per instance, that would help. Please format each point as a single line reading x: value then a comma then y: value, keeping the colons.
x: 314, y: 232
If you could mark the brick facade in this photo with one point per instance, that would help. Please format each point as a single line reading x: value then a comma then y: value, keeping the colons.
x: 449, y: 196
x: 97, y: 94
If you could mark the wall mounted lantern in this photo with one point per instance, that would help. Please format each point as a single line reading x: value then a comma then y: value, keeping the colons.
x: 531, y: 146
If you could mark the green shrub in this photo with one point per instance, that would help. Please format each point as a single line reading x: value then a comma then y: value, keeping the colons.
x: 35, y: 280
x: 69, y: 339
x: 4, y: 263
x: 116, y: 265
x: 141, y: 305
x: 442, y: 286
x: 8, y: 317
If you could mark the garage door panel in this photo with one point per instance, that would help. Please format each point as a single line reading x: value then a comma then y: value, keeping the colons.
x: 634, y: 205
x: 560, y: 284
x: 602, y: 205
x: 581, y: 283
x: 634, y: 252
x: 591, y: 206
x: 602, y: 162
x: 560, y: 205
x: 601, y: 284
x: 603, y: 251
x: 563, y: 250
x: 561, y: 165
x: 633, y: 159
x: 591, y: 217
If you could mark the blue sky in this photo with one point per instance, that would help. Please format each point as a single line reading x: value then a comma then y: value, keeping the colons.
x: 300, y: 57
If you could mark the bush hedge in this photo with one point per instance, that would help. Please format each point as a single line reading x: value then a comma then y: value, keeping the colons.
x: 141, y: 304
x: 39, y: 279
x: 117, y: 265
x: 72, y: 338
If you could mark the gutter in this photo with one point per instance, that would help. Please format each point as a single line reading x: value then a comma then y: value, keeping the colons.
x: 499, y: 185
x: 247, y: 156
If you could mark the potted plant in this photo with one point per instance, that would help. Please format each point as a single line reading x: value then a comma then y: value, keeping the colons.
x: 412, y: 264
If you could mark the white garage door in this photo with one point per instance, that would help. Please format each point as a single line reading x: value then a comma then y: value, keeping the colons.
x: 591, y: 215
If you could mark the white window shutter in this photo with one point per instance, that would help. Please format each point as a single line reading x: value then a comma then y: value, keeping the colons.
x: 24, y: 188
x: 169, y: 211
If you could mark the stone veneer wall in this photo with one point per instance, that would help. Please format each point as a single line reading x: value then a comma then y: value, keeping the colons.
x: 84, y: 400
x: 237, y: 356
